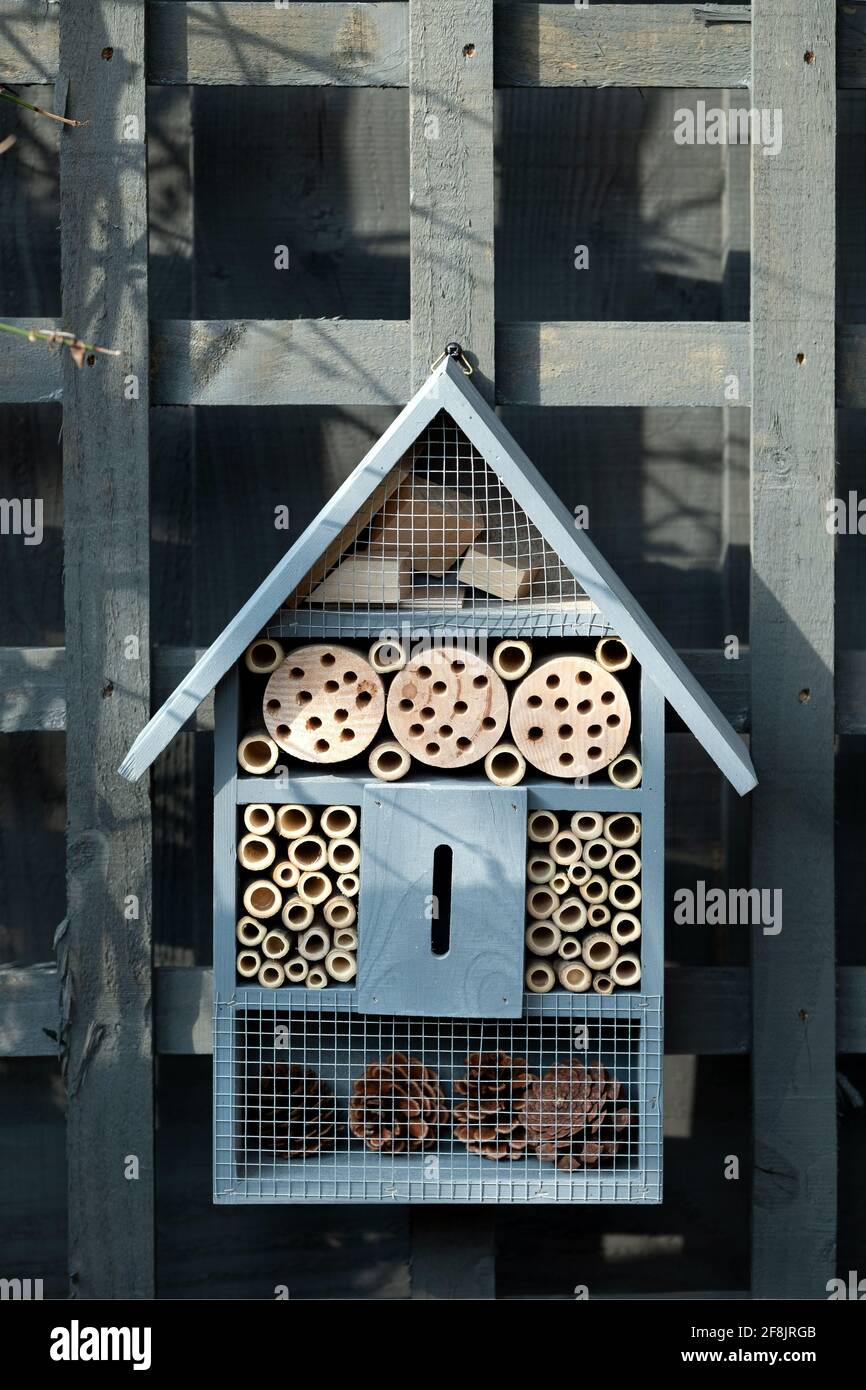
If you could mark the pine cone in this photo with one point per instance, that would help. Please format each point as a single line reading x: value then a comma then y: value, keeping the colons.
x: 488, y: 1121
x: 397, y: 1105
x: 293, y: 1113
x: 571, y: 1116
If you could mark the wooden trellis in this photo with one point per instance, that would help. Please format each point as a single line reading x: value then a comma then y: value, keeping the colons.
x: 792, y: 368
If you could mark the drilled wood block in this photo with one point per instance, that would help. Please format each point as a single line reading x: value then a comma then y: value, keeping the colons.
x: 324, y: 704
x: 569, y: 717
x: 447, y: 707
x: 432, y: 526
x: 502, y: 566
x: 366, y: 578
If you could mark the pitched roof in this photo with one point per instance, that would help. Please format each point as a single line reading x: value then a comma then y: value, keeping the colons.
x: 448, y: 389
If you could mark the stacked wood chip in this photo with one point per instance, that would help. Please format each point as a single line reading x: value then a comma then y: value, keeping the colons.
x: 489, y: 1121
x: 572, y: 1117
x: 291, y: 1113
x: 397, y: 1106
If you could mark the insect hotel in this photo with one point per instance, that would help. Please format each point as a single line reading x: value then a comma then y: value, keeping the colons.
x: 439, y: 841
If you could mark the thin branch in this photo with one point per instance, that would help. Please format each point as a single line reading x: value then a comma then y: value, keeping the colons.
x: 7, y: 95
x: 78, y: 350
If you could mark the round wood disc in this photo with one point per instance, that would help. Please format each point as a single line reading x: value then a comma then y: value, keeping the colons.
x: 447, y: 707
x: 570, y: 717
x: 324, y: 704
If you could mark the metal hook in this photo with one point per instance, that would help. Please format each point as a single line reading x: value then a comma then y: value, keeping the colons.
x: 453, y: 350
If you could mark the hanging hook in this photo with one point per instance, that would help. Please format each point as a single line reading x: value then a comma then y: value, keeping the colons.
x: 454, y: 350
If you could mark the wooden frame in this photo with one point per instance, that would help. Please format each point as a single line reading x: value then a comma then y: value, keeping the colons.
x: 709, y: 1010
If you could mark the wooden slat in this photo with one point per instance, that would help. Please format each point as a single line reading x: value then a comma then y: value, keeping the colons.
x: 109, y: 1071
x: 851, y: 366
x: 32, y: 689
x: 28, y: 41
x: 345, y: 45
x: 620, y: 363
x: 30, y: 373
x: 623, y: 46
x: 793, y: 458
x: 280, y: 362
x: 708, y: 1011
x: 851, y: 44
x: 451, y: 178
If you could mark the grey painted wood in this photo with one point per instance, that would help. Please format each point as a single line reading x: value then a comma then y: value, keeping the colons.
x: 481, y: 975
x: 29, y: 371
x: 28, y: 41
x: 32, y: 688
x: 451, y: 182
x: 607, y: 364
x: 595, y: 575
x: 344, y: 45
x: 851, y: 366
x: 652, y: 852
x: 324, y: 789
x: 622, y: 46
x: 29, y: 1011
x: 109, y: 1067
x: 225, y: 813
x: 793, y: 459
x: 280, y: 362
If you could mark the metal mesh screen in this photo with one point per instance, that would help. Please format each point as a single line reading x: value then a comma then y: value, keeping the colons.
x: 441, y: 540
x: 300, y: 1117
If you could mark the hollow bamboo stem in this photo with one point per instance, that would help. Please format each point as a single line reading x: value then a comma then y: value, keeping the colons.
x: 276, y: 944
x: 314, y: 944
x: 272, y: 975
x: 540, y: 976
x: 259, y: 818
x: 314, y: 887
x: 587, y: 825
x: 257, y: 753
x: 542, y: 938
x: 540, y: 869
x: 341, y: 965
x: 626, y: 970
x: 602, y: 984
x: 249, y: 932
x: 339, y: 912
x: 600, y: 950
x: 625, y: 864
x: 560, y: 883
x: 346, y: 938
x: 541, y: 902
x: 263, y: 656
x: 339, y: 821
x: 625, y: 928
x: 597, y: 853
x: 249, y: 963
x: 612, y: 654
x: 389, y: 761
x: 387, y: 655
x: 298, y: 914
x: 505, y: 765
x: 566, y: 848
x: 622, y: 829
x: 569, y: 948
x: 595, y: 890
x: 625, y: 894
x: 262, y: 898
x: 256, y: 852
x: 317, y: 977
x: 309, y: 852
x: 574, y: 976
x: 512, y: 659
x: 296, y: 970
x: 348, y: 885
x: 570, y: 915
x: 579, y: 874
x: 344, y: 856
x: 625, y: 771
x: 598, y: 915
x: 542, y: 827
x: 294, y: 821
x: 285, y: 874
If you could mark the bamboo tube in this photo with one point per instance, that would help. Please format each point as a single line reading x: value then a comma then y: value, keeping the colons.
x: 602, y: 984
x: 625, y: 928
x: 566, y: 848
x: 626, y: 970
x: 579, y: 874
x: 249, y: 964
x: 598, y: 915
x: 294, y: 821
x: 625, y: 771
x: 309, y: 852
x: 348, y: 885
x: 512, y: 659
x: 541, y: 902
x: 264, y: 656
x: 298, y: 914
x: 341, y: 965
x: 346, y: 938
x: 612, y: 654
x: 595, y: 890
x: 542, y: 938
x: 625, y: 894
x: 569, y: 948
x: 255, y: 852
x: 296, y: 970
x: 285, y: 874
x: 625, y: 864
x: 597, y: 853
x: 542, y: 827
x: 339, y: 821
x: 560, y: 883
x: 505, y: 766
x: 600, y: 950
x: 272, y: 975
x: 574, y: 976
x: 387, y: 655
x: 315, y: 943
x: 339, y: 912
x: 262, y: 898
x: 276, y: 944
x: 317, y: 977
x: 389, y: 761
x: 249, y: 932
x: 570, y: 915
x: 257, y: 753
x: 587, y: 825
x: 540, y: 869
x: 259, y: 818
x: 344, y: 856
x: 314, y: 888
x: 622, y: 829
x: 539, y: 976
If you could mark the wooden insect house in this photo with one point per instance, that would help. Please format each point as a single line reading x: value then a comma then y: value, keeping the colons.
x: 439, y: 841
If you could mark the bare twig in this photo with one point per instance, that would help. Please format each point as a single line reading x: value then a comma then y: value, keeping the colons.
x: 7, y: 95
x: 56, y: 337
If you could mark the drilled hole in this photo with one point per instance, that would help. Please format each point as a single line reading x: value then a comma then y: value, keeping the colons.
x: 424, y: 672
x: 405, y: 705
x: 535, y: 733
x: 534, y: 701
x: 283, y: 731
x: 584, y: 678
x: 431, y: 749
x: 594, y: 731
x: 427, y: 712
x: 322, y: 745
x: 297, y: 673
x: 314, y: 722
x: 584, y: 707
x: 416, y: 730
x: 464, y: 744
x: 488, y: 722
x: 350, y: 677
x: 458, y: 666
x: 560, y: 704
x: 552, y: 682
x: 613, y: 721
x: 593, y: 752
x: 565, y: 731
x: 439, y: 687
x: 566, y: 759
x: 304, y: 697
x: 331, y: 686
x: 479, y: 682
x: 446, y: 731
x: 328, y: 659
x: 460, y: 707
x: 346, y: 735
x: 363, y: 699
x: 273, y: 707
x: 608, y: 697
x: 341, y: 715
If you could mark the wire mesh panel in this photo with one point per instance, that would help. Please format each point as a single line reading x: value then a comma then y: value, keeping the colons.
x: 323, y: 1106
x: 441, y: 540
